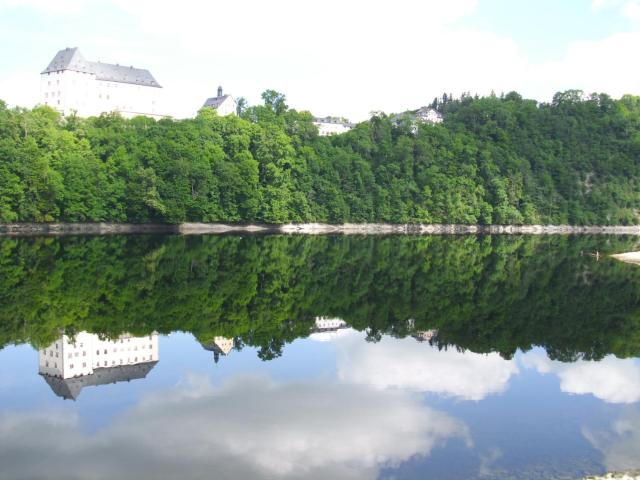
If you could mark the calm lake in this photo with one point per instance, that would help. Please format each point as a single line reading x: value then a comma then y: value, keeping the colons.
x: 444, y: 357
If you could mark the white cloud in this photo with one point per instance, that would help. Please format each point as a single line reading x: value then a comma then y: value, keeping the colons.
x: 249, y: 428
x: 612, y: 379
x: 629, y: 9
x: 620, y: 444
x: 59, y: 7
x: 408, y: 364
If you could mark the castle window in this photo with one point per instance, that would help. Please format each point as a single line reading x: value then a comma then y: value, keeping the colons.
x: 71, y: 366
x: 84, y: 364
x: 97, y: 352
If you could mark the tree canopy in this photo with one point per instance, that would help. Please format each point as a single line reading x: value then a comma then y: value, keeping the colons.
x: 501, y: 160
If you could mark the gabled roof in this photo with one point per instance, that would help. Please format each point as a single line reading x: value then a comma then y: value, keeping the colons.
x: 70, y: 388
x: 215, y: 102
x: 72, y: 59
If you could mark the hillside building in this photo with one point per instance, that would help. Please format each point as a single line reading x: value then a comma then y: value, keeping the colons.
x: 332, y: 125
x: 223, y: 104
x: 69, y: 364
x: 428, y: 115
x: 71, y: 84
x: 414, y: 118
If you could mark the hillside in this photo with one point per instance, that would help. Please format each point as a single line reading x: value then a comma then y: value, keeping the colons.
x: 494, y: 160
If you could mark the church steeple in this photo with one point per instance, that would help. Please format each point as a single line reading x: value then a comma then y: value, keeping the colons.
x: 219, y: 92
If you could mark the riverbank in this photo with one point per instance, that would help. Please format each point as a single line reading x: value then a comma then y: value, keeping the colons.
x: 56, y: 229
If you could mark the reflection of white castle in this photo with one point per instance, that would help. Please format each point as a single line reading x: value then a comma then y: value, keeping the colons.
x: 327, y: 329
x: 219, y: 345
x: 425, y: 336
x: 69, y: 364
x: 326, y: 324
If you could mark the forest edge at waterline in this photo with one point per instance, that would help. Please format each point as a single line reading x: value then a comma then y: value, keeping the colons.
x: 55, y: 229
x: 497, y: 160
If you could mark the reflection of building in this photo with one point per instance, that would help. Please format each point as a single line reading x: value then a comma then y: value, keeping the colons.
x: 328, y: 329
x: 69, y: 364
x: 219, y: 345
x: 223, y: 104
x: 425, y: 336
x: 72, y: 84
x: 326, y: 324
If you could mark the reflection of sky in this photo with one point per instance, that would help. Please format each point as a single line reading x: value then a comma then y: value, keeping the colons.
x: 343, y: 408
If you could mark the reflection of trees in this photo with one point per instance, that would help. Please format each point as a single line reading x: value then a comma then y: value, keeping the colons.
x: 480, y: 293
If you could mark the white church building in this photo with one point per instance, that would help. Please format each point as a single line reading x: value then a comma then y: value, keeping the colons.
x: 223, y: 104
x: 72, y: 84
x: 71, y: 363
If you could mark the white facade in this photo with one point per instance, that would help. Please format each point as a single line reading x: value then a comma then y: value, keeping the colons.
x: 426, y: 335
x: 326, y: 323
x: 223, y: 104
x: 71, y: 84
x: 86, y: 352
x: 429, y: 115
x: 332, y: 126
x: 224, y: 344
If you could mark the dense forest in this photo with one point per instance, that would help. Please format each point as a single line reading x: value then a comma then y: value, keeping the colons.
x: 484, y: 294
x: 498, y: 159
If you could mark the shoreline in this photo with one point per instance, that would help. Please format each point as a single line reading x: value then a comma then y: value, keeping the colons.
x: 60, y: 229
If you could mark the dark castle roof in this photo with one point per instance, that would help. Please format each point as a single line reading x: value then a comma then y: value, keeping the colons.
x: 215, y: 102
x: 72, y: 59
x: 70, y: 388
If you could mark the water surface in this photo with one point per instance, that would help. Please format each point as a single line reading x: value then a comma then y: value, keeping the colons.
x: 318, y: 357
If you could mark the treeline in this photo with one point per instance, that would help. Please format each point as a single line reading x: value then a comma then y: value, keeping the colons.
x: 502, y: 160
x: 485, y: 294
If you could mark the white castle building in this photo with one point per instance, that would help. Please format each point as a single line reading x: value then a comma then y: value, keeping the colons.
x: 71, y: 363
x: 332, y: 125
x: 72, y: 84
x: 223, y: 104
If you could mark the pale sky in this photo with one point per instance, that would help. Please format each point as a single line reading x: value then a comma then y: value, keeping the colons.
x: 343, y: 58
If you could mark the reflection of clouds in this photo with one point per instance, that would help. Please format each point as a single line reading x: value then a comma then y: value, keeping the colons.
x: 621, y: 444
x: 408, y: 364
x: 248, y: 428
x: 612, y: 379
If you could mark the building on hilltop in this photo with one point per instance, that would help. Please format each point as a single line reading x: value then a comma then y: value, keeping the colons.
x: 332, y: 125
x: 428, y: 115
x: 71, y: 84
x: 415, y: 117
x: 70, y: 364
x: 223, y: 104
